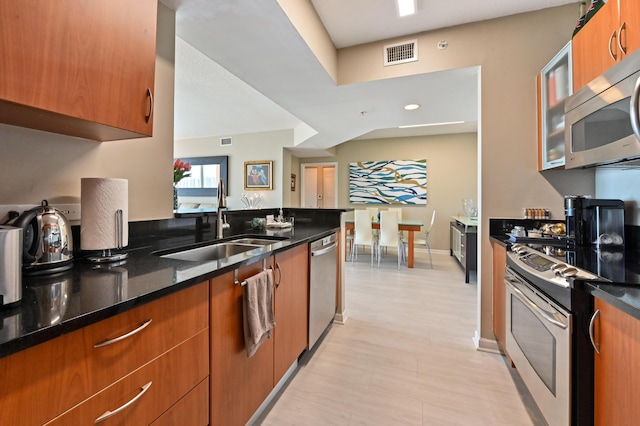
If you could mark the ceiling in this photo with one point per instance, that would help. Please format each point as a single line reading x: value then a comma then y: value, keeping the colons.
x: 241, y: 67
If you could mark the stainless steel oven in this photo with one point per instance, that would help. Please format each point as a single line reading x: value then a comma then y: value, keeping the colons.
x: 547, y: 323
x: 539, y: 344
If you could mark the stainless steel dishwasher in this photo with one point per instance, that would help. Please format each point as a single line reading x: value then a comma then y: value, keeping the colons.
x: 322, y: 286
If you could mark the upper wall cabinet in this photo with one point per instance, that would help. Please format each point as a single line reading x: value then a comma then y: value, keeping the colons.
x: 609, y: 36
x: 82, y: 69
x: 554, y: 86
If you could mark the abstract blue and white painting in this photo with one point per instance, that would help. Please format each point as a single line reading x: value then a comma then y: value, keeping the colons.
x: 388, y: 182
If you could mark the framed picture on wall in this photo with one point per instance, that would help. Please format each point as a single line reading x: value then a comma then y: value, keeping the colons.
x: 293, y: 182
x: 258, y: 175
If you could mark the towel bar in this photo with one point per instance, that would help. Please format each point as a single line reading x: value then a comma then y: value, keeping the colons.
x: 244, y: 282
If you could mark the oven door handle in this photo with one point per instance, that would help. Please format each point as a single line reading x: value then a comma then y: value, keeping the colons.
x: 549, y: 316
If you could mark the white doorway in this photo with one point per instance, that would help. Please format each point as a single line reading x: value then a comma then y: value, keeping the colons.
x: 319, y: 185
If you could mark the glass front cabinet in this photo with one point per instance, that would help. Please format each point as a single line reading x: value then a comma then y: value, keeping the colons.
x: 554, y: 87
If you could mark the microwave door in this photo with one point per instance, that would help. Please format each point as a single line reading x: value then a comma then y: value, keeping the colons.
x: 600, y: 130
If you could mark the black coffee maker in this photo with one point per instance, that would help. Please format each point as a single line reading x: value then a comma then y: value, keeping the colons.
x: 594, y: 222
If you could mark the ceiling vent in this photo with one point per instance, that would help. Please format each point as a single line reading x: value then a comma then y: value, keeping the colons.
x: 400, y: 53
x: 225, y: 141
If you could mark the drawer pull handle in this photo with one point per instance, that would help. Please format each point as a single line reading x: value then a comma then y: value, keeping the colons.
x: 108, y: 414
x: 124, y: 336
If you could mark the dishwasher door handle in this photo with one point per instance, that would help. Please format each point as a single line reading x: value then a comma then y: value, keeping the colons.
x: 324, y: 250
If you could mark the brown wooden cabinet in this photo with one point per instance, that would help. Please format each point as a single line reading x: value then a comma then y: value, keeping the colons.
x: 499, y: 294
x: 617, y: 371
x: 291, y: 308
x: 609, y: 36
x: 144, y: 395
x: 630, y: 20
x: 70, y: 370
x: 80, y: 69
x: 193, y: 409
x: 239, y: 384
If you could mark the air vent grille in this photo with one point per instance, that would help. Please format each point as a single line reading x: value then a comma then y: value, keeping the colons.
x: 399, y: 53
x: 225, y: 141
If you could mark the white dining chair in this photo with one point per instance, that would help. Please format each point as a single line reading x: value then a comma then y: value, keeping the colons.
x: 388, y: 236
x: 425, y: 241
x: 373, y: 213
x: 398, y: 211
x: 363, y: 234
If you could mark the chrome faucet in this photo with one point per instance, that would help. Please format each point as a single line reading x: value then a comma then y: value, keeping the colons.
x: 221, y: 223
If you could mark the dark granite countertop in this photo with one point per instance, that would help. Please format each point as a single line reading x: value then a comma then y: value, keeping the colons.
x: 53, y: 305
x: 623, y: 297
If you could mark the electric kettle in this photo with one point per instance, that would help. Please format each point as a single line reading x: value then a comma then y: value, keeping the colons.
x: 47, y: 240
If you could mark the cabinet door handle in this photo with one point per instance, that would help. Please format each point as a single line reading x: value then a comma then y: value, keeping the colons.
x: 108, y: 414
x: 124, y: 336
x: 279, y: 280
x: 595, y: 345
x: 150, y: 95
x: 613, y: 55
x: 622, y: 28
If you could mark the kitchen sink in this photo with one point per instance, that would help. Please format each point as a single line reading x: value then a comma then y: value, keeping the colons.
x: 220, y: 250
x: 212, y: 252
x: 254, y: 241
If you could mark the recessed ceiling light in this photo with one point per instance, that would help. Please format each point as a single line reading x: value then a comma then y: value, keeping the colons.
x: 431, y: 124
x: 411, y: 107
x: 406, y: 7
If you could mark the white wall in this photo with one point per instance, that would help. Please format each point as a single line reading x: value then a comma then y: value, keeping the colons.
x: 452, y: 171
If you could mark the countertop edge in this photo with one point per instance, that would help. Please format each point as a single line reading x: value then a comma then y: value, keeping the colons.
x: 605, y: 293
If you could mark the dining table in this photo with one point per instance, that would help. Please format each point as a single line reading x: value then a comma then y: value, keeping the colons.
x: 410, y: 226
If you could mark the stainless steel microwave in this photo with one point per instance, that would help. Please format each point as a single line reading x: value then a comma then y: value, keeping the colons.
x: 602, y: 122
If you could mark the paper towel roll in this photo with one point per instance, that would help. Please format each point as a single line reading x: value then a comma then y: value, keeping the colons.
x: 100, y: 199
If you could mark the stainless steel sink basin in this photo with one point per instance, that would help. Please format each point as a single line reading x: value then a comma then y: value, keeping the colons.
x: 212, y: 252
x: 254, y: 241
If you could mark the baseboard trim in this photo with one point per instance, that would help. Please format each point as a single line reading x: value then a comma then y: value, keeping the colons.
x: 340, y: 318
x: 421, y: 249
x: 275, y: 392
x: 485, y: 345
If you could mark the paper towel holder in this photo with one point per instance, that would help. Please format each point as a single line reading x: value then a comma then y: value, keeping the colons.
x: 106, y: 255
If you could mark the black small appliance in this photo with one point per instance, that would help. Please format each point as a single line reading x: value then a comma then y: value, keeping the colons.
x: 594, y: 222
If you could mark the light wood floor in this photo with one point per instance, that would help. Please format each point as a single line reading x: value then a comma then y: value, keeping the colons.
x: 404, y: 357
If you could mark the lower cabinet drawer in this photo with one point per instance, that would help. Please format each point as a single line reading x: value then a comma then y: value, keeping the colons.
x: 144, y: 395
x: 71, y: 362
x: 192, y: 410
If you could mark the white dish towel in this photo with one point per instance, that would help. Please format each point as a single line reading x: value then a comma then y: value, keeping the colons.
x: 257, y: 310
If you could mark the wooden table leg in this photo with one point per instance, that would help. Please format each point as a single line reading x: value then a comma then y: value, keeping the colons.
x: 410, y: 255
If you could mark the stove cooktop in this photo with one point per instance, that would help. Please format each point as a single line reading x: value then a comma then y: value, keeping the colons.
x: 543, y: 266
x: 617, y: 266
